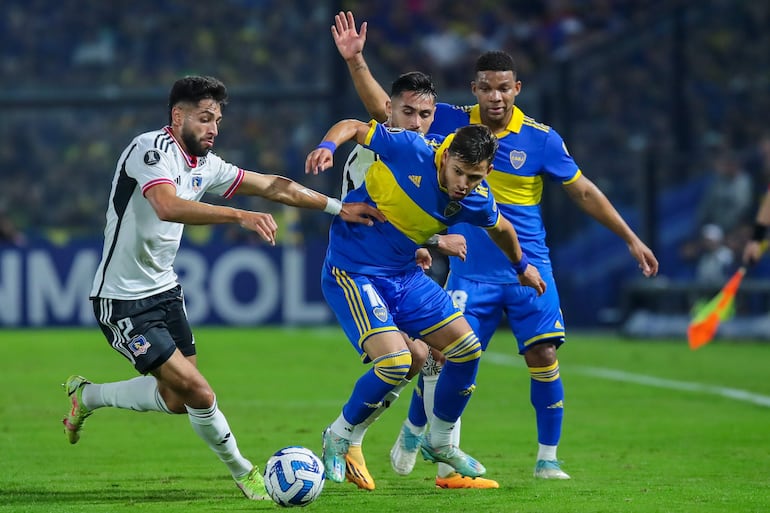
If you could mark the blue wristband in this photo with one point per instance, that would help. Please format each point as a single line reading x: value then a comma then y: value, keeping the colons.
x: 329, y: 145
x: 521, y: 266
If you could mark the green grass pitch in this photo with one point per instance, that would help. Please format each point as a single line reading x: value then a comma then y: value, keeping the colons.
x: 649, y: 427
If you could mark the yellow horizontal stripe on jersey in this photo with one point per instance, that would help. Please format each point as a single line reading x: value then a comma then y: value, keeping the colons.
x: 511, y: 189
x: 400, y: 210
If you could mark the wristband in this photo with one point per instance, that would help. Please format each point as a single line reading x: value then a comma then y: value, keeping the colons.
x: 333, y: 206
x: 760, y: 232
x: 432, y: 241
x: 329, y: 145
x: 521, y: 265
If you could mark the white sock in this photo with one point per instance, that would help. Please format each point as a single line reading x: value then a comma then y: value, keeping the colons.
x: 443, y: 469
x: 546, y: 452
x: 440, y: 432
x: 342, y: 428
x: 138, y: 394
x: 211, y: 425
x: 429, y: 394
x: 416, y: 430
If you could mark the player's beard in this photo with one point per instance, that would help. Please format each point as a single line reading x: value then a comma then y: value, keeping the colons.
x: 192, y: 144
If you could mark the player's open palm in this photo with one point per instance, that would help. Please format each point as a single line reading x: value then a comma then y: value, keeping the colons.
x: 263, y: 224
x: 362, y: 213
x: 531, y: 278
x: 349, y: 41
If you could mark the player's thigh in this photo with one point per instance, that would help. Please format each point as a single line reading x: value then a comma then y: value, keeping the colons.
x: 140, y: 331
x: 419, y: 305
x: 532, y: 318
x: 360, y: 309
x: 482, y: 304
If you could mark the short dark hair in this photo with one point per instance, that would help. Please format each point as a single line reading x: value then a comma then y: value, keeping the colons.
x: 193, y: 89
x: 413, y: 82
x: 495, y: 61
x: 473, y: 144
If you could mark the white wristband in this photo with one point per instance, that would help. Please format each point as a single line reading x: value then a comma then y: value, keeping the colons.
x: 333, y: 206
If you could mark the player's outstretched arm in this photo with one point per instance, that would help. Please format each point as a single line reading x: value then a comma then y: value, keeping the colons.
x: 284, y: 190
x: 504, y: 235
x: 350, y: 44
x: 169, y: 207
x: 593, y: 202
x: 321, y: 158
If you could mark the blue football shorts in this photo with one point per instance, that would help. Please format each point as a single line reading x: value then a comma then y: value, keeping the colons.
x: 532, y: 319
x: 366, y: 304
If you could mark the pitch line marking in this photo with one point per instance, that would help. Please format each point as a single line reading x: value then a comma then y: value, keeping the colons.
x: 641, y: 379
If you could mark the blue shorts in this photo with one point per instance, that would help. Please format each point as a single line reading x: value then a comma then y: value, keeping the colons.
x: 532, y: 319
x: 366, y: 304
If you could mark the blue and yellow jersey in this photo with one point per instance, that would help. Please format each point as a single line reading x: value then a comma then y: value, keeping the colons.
x: 403, y: 183
x: 529, y: 152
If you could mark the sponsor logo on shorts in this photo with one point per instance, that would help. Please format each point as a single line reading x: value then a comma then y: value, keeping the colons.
x: 139, y: 345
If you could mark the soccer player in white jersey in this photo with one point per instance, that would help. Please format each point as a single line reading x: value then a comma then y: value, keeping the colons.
x: 159, y: 181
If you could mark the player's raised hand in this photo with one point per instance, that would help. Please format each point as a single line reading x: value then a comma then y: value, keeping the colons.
x: 362, y: 213
x: 348, y: 40
x: 531, y: 278
x: 452, y: 244
x: 263, y: 224
x: 318, y: 160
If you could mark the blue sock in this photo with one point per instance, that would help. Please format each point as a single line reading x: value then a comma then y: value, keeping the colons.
x: 457, y: 380
x: 367, y: 394
x: 547, y: 396
x: 417, y: 406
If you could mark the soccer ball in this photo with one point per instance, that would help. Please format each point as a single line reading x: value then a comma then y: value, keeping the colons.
x: 294, y: 476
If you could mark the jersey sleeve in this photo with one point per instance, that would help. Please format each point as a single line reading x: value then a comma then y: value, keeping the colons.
x: 225, y: 177
x: 149, y: 166
x: 558, y: 164
x: 448, y: 118
x: 397, y: 144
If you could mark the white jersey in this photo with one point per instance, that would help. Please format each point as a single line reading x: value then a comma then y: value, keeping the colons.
x: 139, y: 249
x: 356, y: 167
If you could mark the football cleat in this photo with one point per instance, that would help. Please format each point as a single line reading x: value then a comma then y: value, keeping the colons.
x: 549, y: 469
x: 453, y: 456
x: 253, y: 485
x: 334, y: 450
x: 404, y: 452
x: 355, y: 469
x: 455, y: 480
x: 73, y: 422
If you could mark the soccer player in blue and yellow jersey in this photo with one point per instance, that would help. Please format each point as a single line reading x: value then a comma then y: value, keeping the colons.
x: 375, y: 288
x: 529, y: 153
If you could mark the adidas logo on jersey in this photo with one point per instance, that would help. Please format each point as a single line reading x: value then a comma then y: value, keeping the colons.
x: 415, y: 179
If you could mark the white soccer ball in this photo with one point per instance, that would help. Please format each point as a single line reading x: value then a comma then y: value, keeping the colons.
x: 294, y: 476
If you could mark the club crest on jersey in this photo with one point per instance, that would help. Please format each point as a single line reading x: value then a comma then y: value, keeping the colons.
x: 381, y: 313
x: 452, y: 208
x: 197, y: 181
x: 151, y: 157
x: 518, y: 158
x: 139, y: 345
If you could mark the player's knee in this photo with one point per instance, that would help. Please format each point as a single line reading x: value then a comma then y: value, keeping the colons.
x: 541, y: 355
x: 464, y: 349
x: 192, y: 391
x: 392, y: 368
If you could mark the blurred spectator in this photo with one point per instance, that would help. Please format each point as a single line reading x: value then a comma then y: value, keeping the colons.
x: 729, y: 199
x: 716, y: 260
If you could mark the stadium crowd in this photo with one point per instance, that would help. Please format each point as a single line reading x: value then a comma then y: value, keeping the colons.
x: 76, y: 85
